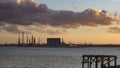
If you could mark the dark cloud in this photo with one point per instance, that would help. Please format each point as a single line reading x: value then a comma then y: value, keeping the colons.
x: 28, y: 12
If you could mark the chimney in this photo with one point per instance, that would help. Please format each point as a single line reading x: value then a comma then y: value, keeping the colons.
x: 38, y: 41
x: 19, y: 39
x: 22, y: 37
x: 27, y: 40
x: 32, y: 40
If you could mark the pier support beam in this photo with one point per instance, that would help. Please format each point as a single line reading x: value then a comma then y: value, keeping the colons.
x: 83, y: 62
x: 96, y: 62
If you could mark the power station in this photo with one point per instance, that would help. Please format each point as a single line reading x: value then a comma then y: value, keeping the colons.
x: 29, y: 40
x: 53, y: 41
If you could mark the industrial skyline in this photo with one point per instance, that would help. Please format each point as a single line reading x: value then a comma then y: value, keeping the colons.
x: 25, y: 40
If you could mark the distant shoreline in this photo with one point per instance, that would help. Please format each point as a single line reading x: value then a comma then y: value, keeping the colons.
x: 63, y: 46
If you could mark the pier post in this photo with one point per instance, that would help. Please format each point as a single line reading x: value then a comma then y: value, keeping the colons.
x: 96, y: 62
x: 83, y: 62
x: 90, y: 62
x: 108, y: 61
x: 102, y: 62
x: 115, y: 61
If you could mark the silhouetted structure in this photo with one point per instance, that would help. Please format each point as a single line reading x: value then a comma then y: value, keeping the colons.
x: 62, y: 41
x: 104, y: 60
x: 53, y: 41
x: 34, y: 41
x: 38, y: 41
x: 19, y: 42
x: 27, y: 40
x: 23, y: 38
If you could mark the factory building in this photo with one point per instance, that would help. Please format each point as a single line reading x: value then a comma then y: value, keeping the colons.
x: 53, y: 41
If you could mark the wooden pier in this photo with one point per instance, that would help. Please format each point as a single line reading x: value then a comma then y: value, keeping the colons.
x: 103, y: 61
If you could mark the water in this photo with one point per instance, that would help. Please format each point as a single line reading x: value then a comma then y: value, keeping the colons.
x: 20, y: 57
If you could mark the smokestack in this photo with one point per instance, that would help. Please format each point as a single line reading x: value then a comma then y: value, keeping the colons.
x: 27, y: 40
x: 19, y: 39
x: 22, y: 37
x: 32, y: 40
x: 62, y: 42
x: 38, y: 41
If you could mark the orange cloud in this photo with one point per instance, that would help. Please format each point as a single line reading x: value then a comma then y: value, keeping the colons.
x: 114, y: 30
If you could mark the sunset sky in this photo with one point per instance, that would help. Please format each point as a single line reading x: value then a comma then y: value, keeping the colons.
x: 76, y: 21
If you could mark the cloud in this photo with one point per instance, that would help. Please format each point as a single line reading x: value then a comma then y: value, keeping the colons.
x: 28, y: 12
x: 53, y: 31
x: 13, y: 28
x: 114, y: 30
x: 49, y: 30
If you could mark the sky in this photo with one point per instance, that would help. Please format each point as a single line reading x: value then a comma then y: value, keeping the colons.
x: 76, y: 21
x: 80, y: 5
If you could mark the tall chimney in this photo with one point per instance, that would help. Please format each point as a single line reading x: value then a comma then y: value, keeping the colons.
x: 19, y: 39
x: 38, y: 41
x: 22, y: 37
x: 32, y: 40
x: 27, y: 40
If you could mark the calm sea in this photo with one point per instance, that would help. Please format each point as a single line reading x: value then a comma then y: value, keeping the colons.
x: 20, y: 57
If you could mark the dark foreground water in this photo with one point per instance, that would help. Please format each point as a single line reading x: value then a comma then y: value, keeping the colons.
x: 20, y: 57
